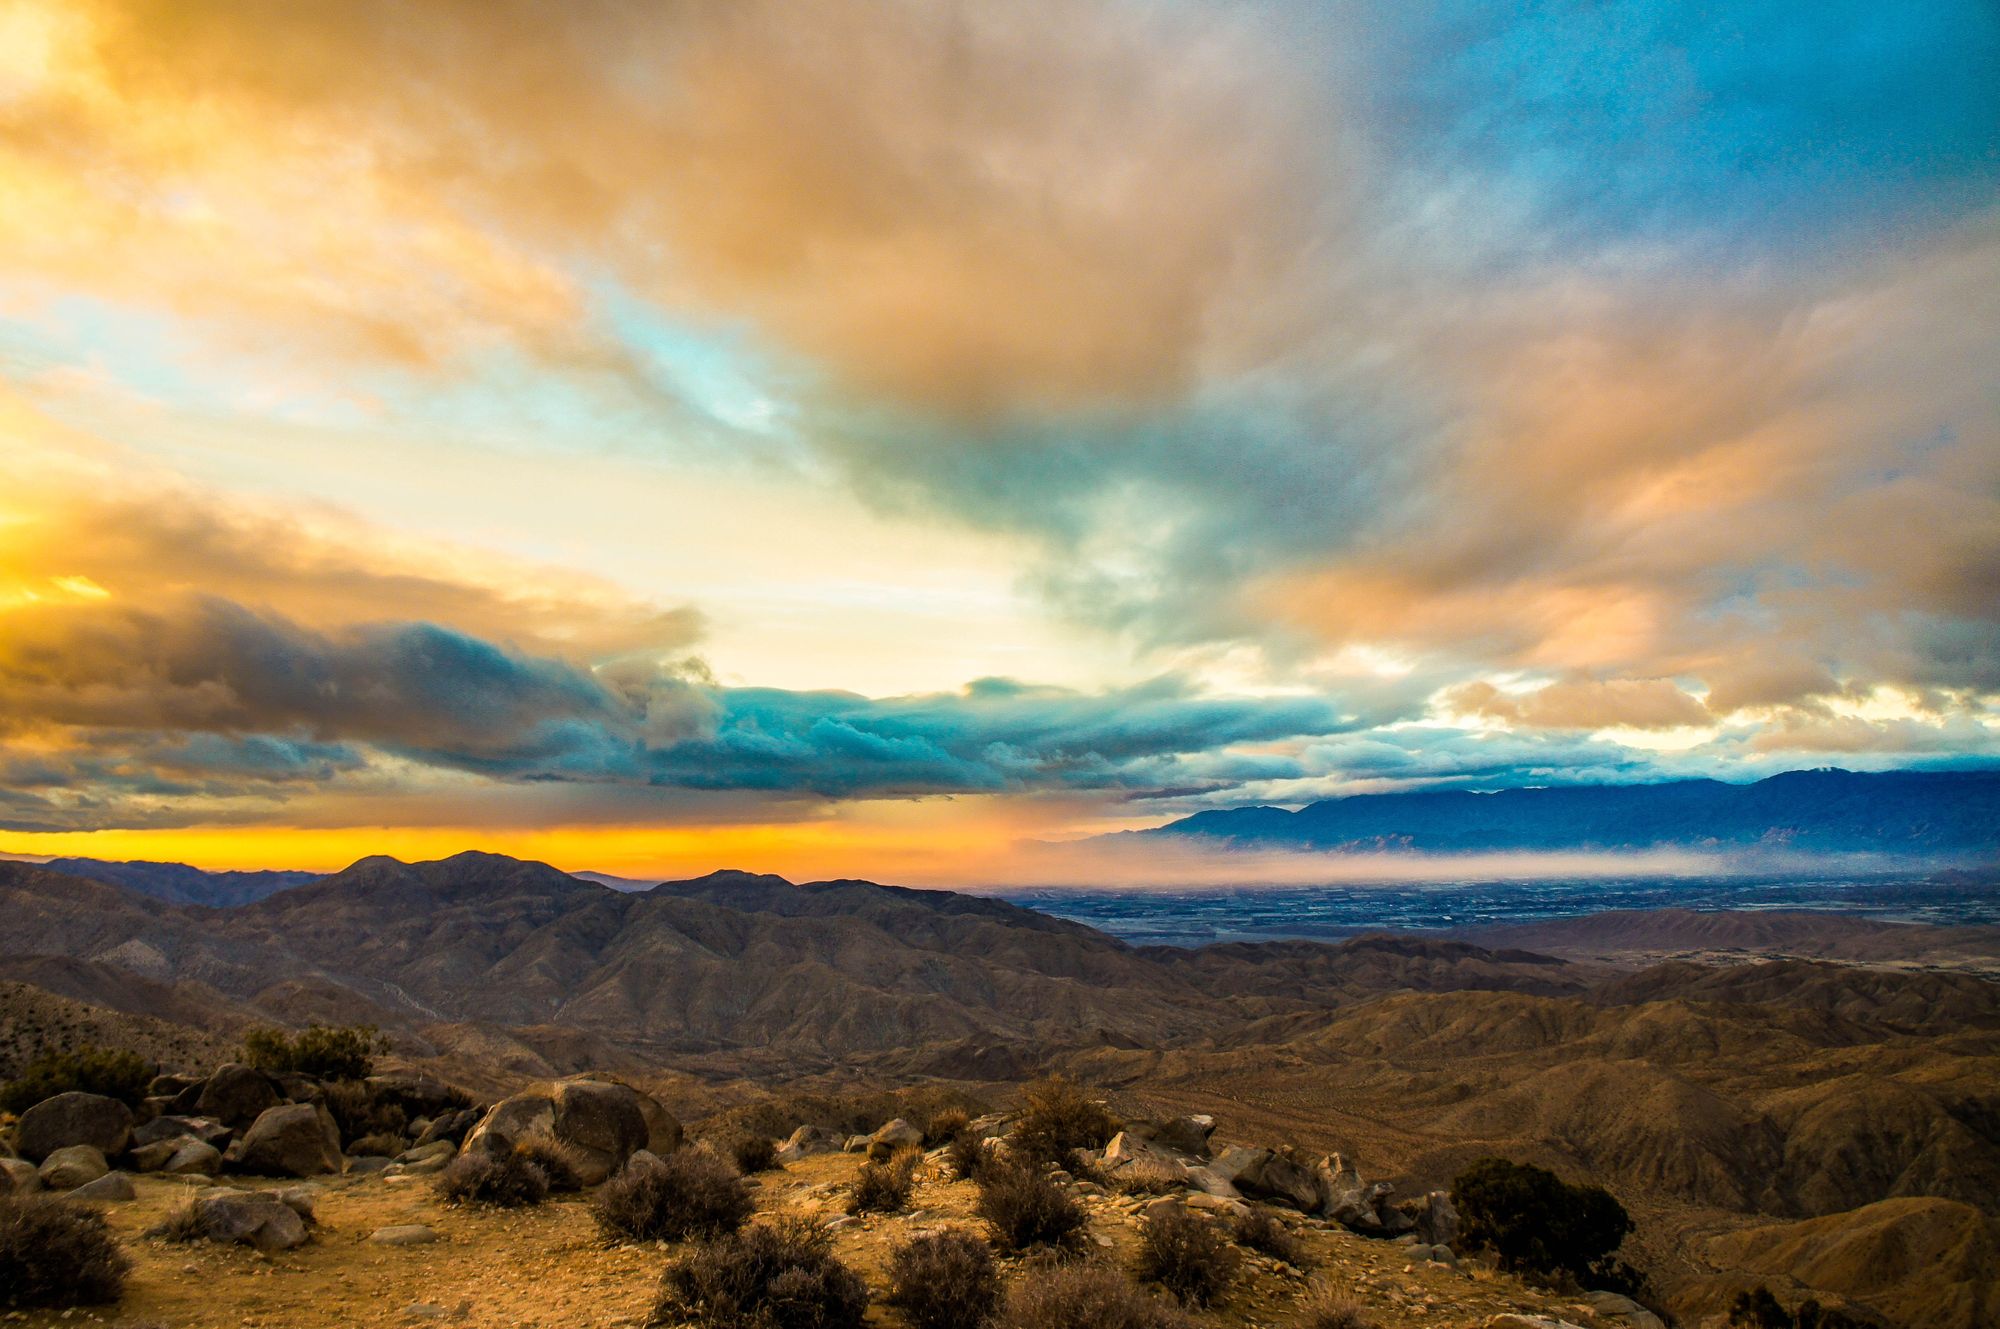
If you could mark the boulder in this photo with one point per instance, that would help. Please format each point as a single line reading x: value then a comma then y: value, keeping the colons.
x: 109, y: 1187
x: 294, y: 1140
x: 601, y: 1121
x: 1218, y: 1204
x: 893, y: 1136
x: 152, y: 1157
x: 367, y: 1164
x: 195, y: 1158
x: 1357, y: 1205
x: 74, y: 1118
x: 1438, y: 1224
x: 175, y: 1127
x: 1126, y: 1149
x: 432, y: 1157
x: 78, y: 1165
x: 236, y: 1095
x: 22, y: 1178
x: 806, y: 1141
x: 1623, y: 1310
x: 1210, y: 1182
x: 253, y: 1218
x: 449, y: 1126
x: 170, y: 1086
x: 1266, y: 1175
x: 663, y: 1128
x: 1187, y: 1136
x: 300, y: 1088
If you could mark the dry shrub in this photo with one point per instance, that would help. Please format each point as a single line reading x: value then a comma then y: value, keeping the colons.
x: 779, y: 1277
x: 1188, y: 1256
x: 1058, y: 1117
x: 359, y: 1114
x: 688, y: 1193
x: 1144, y: 1176
x: 557, y: 1161
x: 754, y: 1153
x: 945, y: 1125
x: 379, y: 1145
x: 57, y: 1254
x: 965, y: 1155
x: 181, y: 1225
x: 1025, y: 1208
x: 1084, y: 1296
x: 502, y: 1181
x: 946, y: 1280
x: 1259, y: 1231
x: 883, y: 1188
x: 1326, y: 1308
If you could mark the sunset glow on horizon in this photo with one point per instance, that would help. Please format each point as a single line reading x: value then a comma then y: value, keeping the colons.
x: 879, y: 438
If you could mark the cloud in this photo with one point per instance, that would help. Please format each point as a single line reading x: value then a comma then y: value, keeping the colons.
x: 1652, y: 703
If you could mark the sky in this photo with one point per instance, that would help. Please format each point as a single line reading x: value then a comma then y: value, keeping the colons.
x: 871, y: 438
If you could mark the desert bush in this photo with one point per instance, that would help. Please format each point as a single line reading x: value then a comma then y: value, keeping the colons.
x: 844, y: 1114
x: 181, y: 1225
x: 965, y: 1155
x: 1260, y: 1232
x: 688, y: 1193
x: 1758, y: 1309
x: 946, y: 1280
x: 1188, y: 1256
x: 379, y: 1145
x: 945, y: 1125
x: 556, y: 1160
x: 754, y: 1153
x: 1025, y: 1208
x: 323, y: 1051
x: 1327, y: 1308
x: 1536, y: 1223
x: 57, y: 1254
x: 1084, y: 1296
x: 358, y: 1113
x: 1144, y: 1176
x: 502, y: 1181
x: 783, y: 1276
x: 112, y: 1072
x: 1057, y: 1117
x: 883, y: 1188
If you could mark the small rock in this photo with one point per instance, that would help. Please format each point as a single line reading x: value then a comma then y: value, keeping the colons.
x: 109, y: 1187
x: 75, y: 1166
x: 404, y: 1234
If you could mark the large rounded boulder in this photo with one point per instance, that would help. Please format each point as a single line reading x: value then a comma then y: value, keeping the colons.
x: 296, y: 1140
x: 74, y: 1118
x: 236, y: 1094
x: 600, y: 1121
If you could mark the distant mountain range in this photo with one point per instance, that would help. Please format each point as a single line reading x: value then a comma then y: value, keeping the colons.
x: 1917, y: 813
x: 178, y: 883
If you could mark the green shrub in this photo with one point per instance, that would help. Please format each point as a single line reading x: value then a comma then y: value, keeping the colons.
x: 1536, y: 1223
x: 1025, y: 1208
x: 945, y: 1280
x: 1260, y: 1232
x: 883, y: 1188
x: 1058, y: 1117
x: 688, y: 1193
x: 1084, y: 1296
x: 779, y: 1277
x: 501, y: 1181
x: 57, y: 1254
x: 1188, y: 1256
x: 112, y: 1072
x: 325, y: 1052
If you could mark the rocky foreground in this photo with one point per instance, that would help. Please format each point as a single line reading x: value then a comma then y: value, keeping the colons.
x: 242, y: 1202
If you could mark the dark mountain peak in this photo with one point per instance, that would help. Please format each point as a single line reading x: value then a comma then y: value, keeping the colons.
x: 437, y: 881
x: 181, y: 883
